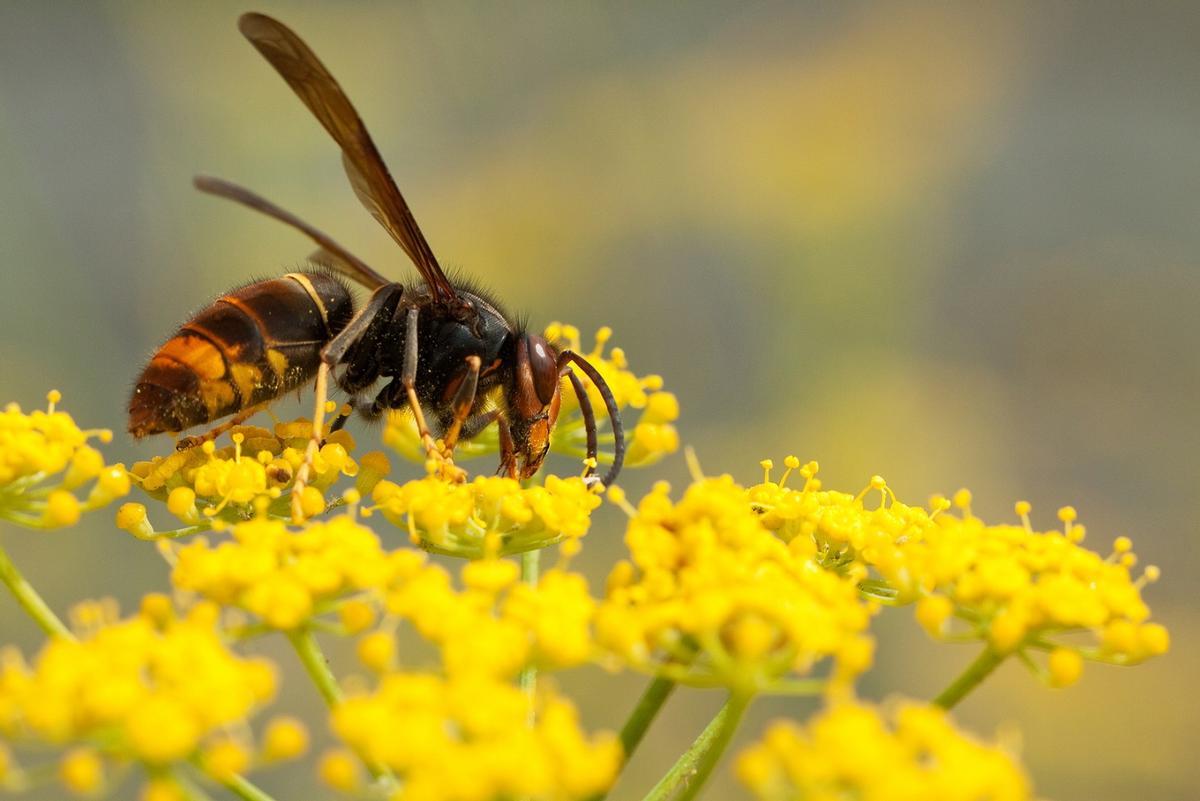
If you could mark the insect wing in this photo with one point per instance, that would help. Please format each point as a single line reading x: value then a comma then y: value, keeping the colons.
x: 368, y: 175
x: 332, y: 254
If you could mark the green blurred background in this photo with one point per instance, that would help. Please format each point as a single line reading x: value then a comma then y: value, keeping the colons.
x: 953, y: 245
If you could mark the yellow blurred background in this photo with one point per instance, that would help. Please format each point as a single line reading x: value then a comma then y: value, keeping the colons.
x: 953, y: 245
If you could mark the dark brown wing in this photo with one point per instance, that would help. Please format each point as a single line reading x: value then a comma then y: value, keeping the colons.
x: 370, y: 178
x: 331, y: 253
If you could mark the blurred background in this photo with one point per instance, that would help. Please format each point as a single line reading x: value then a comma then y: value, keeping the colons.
x: 953, y: 246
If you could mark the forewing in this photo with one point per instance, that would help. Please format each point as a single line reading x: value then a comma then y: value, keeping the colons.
x: 368, y: 175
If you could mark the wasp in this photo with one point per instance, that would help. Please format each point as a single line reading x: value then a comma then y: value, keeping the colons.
x: 443, y: 349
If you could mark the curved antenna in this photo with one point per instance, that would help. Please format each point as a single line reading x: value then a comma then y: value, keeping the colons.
x: 340, y: 259
x: 610, y: 403
x: 589, y: 419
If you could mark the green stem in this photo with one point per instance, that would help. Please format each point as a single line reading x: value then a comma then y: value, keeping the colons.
x: 970, y: 678
x: 316, y: 664
x: 530, y: 565
x: 313, y: 658
x: 685, y: 778
x: 29, y: 599
x: 245, y: 790
x: 655, y: 695
x: 190, y: 790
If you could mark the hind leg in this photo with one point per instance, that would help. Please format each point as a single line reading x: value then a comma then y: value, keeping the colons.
x: 195, y: 440
x: 314, y: 443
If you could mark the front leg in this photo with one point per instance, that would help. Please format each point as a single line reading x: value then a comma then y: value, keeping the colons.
x: 464, y: 399
x: 408, y: 378
x: 508, y: 451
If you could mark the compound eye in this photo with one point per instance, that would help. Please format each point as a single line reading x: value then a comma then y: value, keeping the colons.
x: 543, y: 364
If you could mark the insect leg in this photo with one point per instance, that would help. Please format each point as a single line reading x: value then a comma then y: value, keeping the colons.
x: 508, y: 451
x: 343, y: 415
x: 187, y: 443
x: 464, y: 399
x: 314, y: 442
x: 474, y: 425
x: 381, y: 306
x: 408, y: 378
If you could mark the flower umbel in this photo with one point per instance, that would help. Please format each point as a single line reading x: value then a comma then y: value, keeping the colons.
x: 208, y: 482
x: 490, y: 515
x: 711, y: 596
x: 852, y: 751
x: 155, y: 688
x: 46, y: 462
x: 280, y: 576
x: 453, y: 739
x: 1009, y: 585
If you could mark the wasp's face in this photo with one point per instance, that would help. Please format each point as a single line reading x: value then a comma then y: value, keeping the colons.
x: 534, y: 402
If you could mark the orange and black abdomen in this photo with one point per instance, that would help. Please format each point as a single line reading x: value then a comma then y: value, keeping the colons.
x: 251, y: 346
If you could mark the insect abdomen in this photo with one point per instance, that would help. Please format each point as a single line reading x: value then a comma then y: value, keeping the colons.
x: 251, y: 346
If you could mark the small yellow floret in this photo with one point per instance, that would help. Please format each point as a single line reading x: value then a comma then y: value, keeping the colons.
x: 339, y: 769
x: 181, y: 502
x: 284, y: 738
x: 161, y: 789
x: 356, y: 615
x: 377, y: 650
x: 62, y: 509
x: 82, y: 771
x: 224, y: 759
x: 1066, y: 666
x: 932, y: 613
x: 131, y: 517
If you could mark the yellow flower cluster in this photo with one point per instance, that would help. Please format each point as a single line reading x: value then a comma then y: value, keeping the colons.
x: 850, y: 751
x: 157, y: 688
x: 283, y: 577
x: 45, y: 464
x: 1011, y: 584
x: 650, y: 438
x: 496, y: 626
x: 469, y: 732
x: 490, y: 515
x: 259, y: 467
x: 470, y: 739
x: 711, y: 596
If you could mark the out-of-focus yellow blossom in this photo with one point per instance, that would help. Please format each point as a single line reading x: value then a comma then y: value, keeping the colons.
x: 162, y: 788
x: 650, y: 437
x: 284, y: 576
x: 1010, y: 584
x: 258, y: 467
x: 284, y: 738
x: 488, y: 516
x: 340, y: 770
x: 711, y: 596
x: 224, y: 758
x: 494, y: 625
x: 82, y: 771
x: 143, y: 689
x: 468, y: 738
x: 850, y: 751
x: 45, y: 465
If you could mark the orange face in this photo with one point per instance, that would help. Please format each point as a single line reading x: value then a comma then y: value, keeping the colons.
x: 533, y: 407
